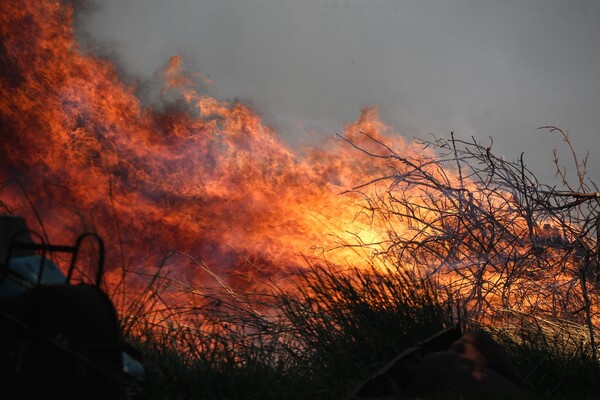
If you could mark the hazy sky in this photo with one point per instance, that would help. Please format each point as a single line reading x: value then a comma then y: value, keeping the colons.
x: 477, y: 67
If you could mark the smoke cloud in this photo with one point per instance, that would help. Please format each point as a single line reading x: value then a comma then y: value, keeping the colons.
x: 479, y: 68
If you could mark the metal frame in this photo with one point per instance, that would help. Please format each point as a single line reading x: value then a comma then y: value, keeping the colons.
x: 50, y: 248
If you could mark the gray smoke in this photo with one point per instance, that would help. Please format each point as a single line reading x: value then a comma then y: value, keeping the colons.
x: 477, y: 67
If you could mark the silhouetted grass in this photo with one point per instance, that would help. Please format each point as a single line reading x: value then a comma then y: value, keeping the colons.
x: 320, y: 341
x: 555, y: 366
x: 335, y: 331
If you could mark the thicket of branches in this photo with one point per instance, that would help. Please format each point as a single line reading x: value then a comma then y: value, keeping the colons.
x: 511, y: 249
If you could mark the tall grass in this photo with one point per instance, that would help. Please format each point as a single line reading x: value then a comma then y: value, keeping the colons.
x: 554, y: 365
x: 335, y: 331
x: 319, y: 341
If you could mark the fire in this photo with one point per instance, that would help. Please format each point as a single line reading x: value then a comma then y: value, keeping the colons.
x: 205, y: 177
x: 213, y: 181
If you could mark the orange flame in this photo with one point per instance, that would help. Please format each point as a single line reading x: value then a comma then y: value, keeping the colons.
x: 221, y: 185
x: 206, y: 177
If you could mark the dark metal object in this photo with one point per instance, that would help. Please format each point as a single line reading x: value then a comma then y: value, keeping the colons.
x: 14, y: 245
x: 61, y: 341
x: 57, y: 334
x: 9, y: 225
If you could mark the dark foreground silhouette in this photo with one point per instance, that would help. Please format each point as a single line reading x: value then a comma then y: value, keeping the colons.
x: 447, y: 365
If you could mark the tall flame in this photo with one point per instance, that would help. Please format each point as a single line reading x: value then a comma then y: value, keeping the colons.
x: 211, y: 180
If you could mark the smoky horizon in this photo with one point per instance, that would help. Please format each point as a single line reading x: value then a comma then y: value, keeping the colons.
x: 480, y: 69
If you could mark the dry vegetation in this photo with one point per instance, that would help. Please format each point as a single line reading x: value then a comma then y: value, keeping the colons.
x: 485, y: 245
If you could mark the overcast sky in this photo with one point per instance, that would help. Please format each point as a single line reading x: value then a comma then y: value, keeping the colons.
x: 477, y: 67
